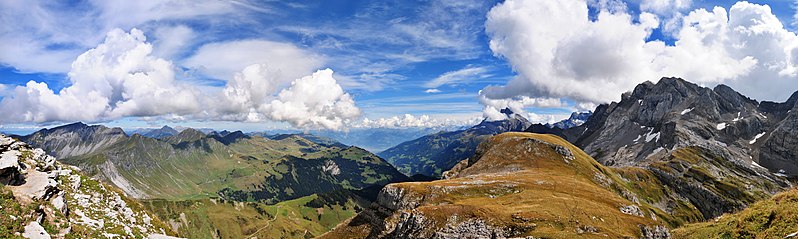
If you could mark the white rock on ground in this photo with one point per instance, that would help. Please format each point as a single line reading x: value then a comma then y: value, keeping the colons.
x: 37, y: 186
x: 9, y: 159
x: 5, y: 141
x: 35, y: 231
x: 59, y: 203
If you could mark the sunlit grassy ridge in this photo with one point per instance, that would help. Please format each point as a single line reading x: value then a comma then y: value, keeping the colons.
x: 776, y: 217
x: 521, y: 182
x: 529, y: 185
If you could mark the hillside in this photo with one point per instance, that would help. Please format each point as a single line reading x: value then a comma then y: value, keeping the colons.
x: 232, y: 164
x: 432, y: 154
x: 776, y: 217
x: 304, y: 217
x: 523, y: 184
x: 41, y: 198
x: 281, y: 185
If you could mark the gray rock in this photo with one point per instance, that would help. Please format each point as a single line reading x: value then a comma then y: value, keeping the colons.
x: 396, y: 198
x: 631, y: 210
x: 9, y: 167
x: 35, y: 231
x: 654, y: 232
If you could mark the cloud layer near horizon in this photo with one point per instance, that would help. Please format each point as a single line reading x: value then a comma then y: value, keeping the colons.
x: 559, y: 52
x: 120, y: 78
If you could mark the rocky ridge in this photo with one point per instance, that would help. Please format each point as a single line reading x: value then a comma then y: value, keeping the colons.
x: 654, y: 120
x: 41, y: 198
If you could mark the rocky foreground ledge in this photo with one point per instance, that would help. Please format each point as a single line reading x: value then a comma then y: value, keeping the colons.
x: 41, y: 198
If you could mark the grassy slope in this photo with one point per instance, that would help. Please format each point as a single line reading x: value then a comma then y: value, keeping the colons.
x: 201, y: 168
x: 513, y: 186
x: 195, y: 169
x: 304, y: 217
x: 528, y: 187
x: 776, y: 217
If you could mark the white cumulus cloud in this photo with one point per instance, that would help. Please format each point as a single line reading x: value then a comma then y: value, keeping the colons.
x: 313, y: 101
x: 559, y: 52
x: 121, y: 78
x: 118, y: 78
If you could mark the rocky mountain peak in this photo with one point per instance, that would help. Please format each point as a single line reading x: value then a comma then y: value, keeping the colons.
x: 74, y: 139
x: 508, y: 112
x: 576, y: 119
x: 166, y: 127
x: 72, y: 126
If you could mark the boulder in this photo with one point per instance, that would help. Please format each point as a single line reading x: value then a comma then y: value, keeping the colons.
x: 35, y: 231
x: 9, y: 167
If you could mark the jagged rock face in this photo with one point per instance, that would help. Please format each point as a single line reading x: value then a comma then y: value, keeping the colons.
x: 779, y: 151
x: 656, y: 119
x: 433, y: 154
x: 74, y: 139
x: 51, y: 200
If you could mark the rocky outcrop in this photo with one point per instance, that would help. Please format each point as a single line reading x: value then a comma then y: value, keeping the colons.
x: 62, y: 200
x: 397, y: 198
x: 654, y: 232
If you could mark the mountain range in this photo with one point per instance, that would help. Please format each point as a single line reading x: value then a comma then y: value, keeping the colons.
x: 655, y: 119
x: 666, y: 156
x: 671, y: 159
x: 206, y: 176
x: 432, y: 154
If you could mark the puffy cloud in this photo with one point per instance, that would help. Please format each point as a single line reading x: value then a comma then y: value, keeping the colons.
x: 559, y: 52
x: 409, y: 121
x: 116, y: 79
x: 222, y: 60
x: 312, y: 102
x: 458, y: 76
x: 247, y: 91
x: 120, y: 78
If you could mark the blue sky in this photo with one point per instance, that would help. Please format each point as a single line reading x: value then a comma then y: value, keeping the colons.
x: 392, y: 57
